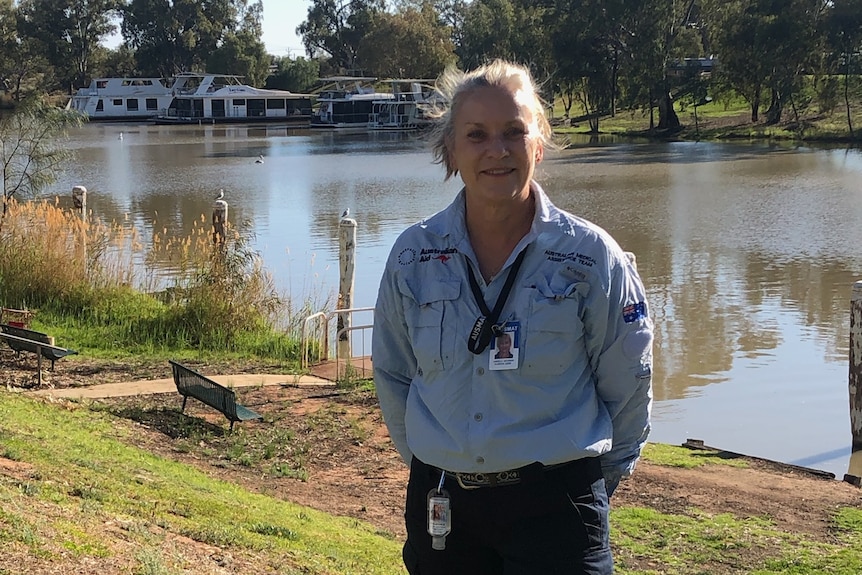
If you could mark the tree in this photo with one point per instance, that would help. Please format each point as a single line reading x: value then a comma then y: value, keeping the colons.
x: 23, y: 68
x: 844, y: 33
x: 654, y: 38
x: 411, y: 43
x: 765, y: 45
x: 183, y: 35
x: 31, y: 149
x: 297, y: 75
x: 580, y: 31
x: 242, y: 51
x: 336, y: 28
x: 69, y: 32
x: 488, y: 30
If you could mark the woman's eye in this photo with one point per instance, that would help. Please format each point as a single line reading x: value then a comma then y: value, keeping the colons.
x: 475, y: 134
x: 515, y: 132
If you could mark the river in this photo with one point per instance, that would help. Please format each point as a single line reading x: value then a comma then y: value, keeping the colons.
x: 748, y: 250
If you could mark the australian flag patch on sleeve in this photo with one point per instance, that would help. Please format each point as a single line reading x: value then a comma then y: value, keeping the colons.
x: 634, y: 311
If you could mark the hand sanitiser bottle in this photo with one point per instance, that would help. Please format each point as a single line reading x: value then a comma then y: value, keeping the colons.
x: 439, y: 516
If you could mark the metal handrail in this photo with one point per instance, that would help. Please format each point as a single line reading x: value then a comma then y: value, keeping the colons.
x: 323, y: 318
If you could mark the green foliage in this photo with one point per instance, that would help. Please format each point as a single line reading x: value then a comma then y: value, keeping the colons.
x: 69, y: 32
x: 294, y: 74
x: 183, y: 35
x: 336, y: 28
x: 418, y: 46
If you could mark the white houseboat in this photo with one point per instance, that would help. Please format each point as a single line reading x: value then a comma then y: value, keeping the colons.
x: 347, y: 102
x: 222, y: 98
x: 407, y: 108
x: 122, y: 99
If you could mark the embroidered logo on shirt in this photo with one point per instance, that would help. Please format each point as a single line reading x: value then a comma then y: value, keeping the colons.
x: 634, y: 311
x: 582, y: 259
x: 407, y: 256
x: 428, y: 254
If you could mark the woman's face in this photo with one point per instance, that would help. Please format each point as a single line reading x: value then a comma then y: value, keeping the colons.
x: 504, y: 345
x: 496, y: 144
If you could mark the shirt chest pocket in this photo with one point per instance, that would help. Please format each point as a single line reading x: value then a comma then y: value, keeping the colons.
x: 432, y: 322
x: 555, y: 332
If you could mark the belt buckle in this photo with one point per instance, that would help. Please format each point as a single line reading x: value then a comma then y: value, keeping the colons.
x: 464, y: 485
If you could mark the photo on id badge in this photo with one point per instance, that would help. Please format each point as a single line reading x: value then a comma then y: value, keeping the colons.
x: 505, y: 347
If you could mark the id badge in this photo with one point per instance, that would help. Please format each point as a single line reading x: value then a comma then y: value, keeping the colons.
x: 505, y: 347
x: 439, y: 518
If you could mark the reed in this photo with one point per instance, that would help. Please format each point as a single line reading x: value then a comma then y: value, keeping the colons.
x: 103, y: 281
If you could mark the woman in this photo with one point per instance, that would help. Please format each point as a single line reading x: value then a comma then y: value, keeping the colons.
x: 504, y: 347
x: 523, y: 457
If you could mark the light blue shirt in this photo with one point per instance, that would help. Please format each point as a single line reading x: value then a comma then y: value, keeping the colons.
x: 581, y: 385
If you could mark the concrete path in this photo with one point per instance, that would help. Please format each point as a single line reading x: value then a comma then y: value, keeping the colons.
x: 166, y: 385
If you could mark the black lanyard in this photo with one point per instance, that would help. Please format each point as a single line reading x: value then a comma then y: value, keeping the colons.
x: 486, y: 326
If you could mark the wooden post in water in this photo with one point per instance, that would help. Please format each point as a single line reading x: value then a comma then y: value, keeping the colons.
x: 854, y: 471
x: 856, y: 365
x: 219, y: 219
x: 346, y: 266
x: 79, y: 201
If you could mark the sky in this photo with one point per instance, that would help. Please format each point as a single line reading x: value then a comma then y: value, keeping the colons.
x: 280, y: 19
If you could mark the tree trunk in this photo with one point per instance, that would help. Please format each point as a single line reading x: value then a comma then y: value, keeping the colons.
x: 755, y: 108
x: 667, y: 118
x: 776, y: 107
x: 847, y: 95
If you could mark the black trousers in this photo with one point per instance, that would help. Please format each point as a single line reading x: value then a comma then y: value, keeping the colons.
x: 553, y: 522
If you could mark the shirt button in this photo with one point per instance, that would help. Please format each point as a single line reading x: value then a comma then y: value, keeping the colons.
x: 478, y: 417
x: 419, y: 371
x: 480, y: 371
x: 480, y: 460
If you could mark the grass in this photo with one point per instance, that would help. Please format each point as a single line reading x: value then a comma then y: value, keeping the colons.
x: 82, y: 476
x: 83, y: 494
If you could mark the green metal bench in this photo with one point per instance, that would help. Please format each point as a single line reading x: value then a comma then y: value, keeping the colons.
x: 192, y: 384
x: 23, y: 339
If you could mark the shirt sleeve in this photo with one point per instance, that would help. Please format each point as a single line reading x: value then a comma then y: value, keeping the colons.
x: 620, y: 344
x: 393, y: 360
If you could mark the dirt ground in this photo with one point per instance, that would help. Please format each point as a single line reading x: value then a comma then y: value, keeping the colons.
x: 349, y: 467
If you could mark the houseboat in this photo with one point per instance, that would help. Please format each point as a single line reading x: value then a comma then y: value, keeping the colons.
x: 407, y: 108
x: 221, y: 98
x: 122, y: 99
x: 347, y: 102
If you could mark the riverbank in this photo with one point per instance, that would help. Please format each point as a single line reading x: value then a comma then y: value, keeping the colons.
x: 326, y: 448
x: 715, y: 122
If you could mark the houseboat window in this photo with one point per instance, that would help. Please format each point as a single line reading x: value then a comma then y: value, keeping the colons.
x: 152, y: 104
x: 256, y: 108
x: 118, y: 101
x: 101, y: 84
x: 275, y: 104
x: 100, y: 105
x: 132, y: 104
x: 239, y: 102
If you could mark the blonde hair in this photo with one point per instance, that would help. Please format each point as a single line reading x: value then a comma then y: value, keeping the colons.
x: 454, y: 85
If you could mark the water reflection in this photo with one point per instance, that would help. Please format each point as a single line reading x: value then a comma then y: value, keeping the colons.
x: 748, y: 251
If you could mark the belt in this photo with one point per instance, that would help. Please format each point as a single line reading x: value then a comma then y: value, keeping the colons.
x: 477, y: 480
x: 532, y: 472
